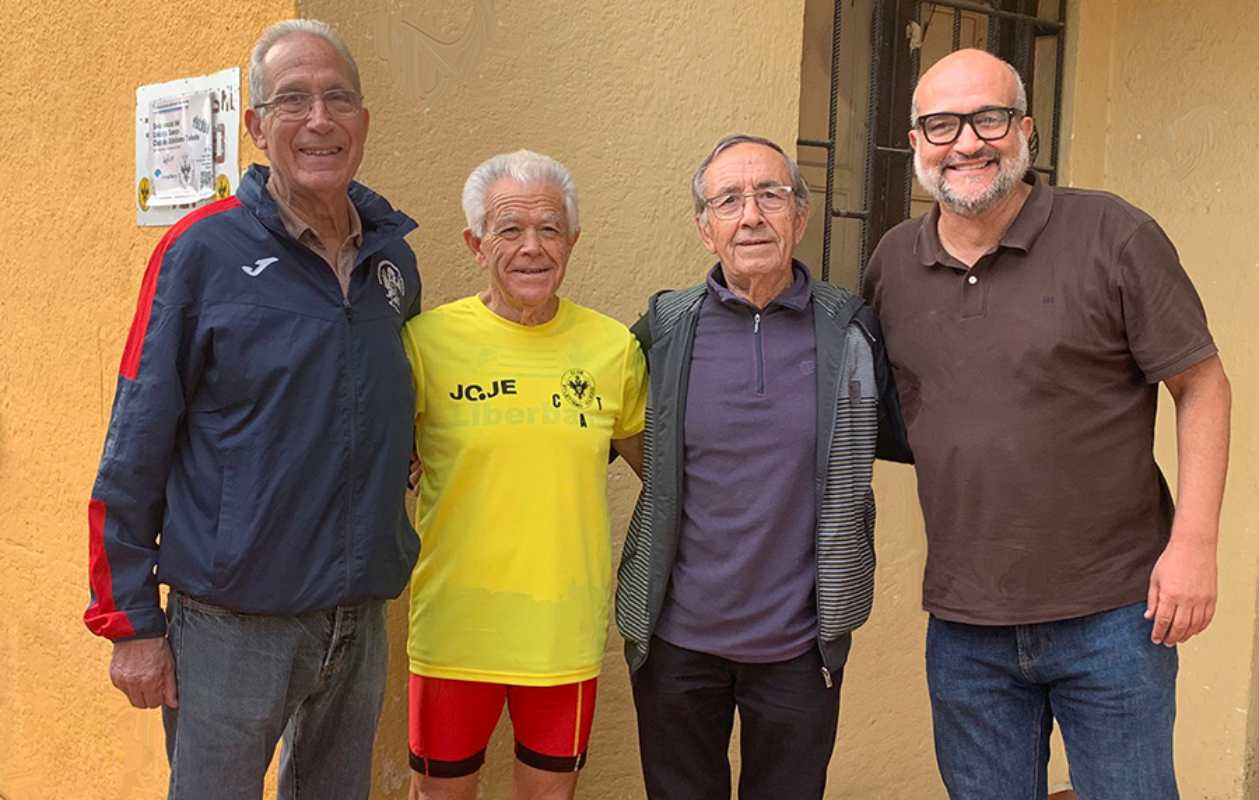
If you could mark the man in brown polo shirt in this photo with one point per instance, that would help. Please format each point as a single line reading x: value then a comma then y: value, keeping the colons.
x: 1028, y: 328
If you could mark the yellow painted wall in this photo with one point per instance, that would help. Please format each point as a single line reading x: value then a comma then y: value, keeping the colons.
x: 70, y: 269
x: 630, y: 96
x: 1163, y: 112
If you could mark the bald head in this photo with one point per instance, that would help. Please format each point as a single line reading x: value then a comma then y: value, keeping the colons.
x: 976, y: 156
x: 966, y: 80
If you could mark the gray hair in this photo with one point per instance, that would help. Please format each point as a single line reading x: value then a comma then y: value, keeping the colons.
x: 1020, y: 95
x: 272, y: 36
x: 799, y: 189
x: 523, y: 167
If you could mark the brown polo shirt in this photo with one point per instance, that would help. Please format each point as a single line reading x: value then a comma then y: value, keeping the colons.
x: 1029, y: 385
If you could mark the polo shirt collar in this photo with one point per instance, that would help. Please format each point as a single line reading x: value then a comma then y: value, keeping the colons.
x: 1033, y: 216
x: 794, y: 297
x: 1021, y: 234
x: 298, y: 228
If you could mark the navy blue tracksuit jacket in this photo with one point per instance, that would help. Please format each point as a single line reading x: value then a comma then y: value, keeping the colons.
x: 257, y: 452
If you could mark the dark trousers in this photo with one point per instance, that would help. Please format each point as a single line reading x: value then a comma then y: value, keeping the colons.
x: 686, y: 703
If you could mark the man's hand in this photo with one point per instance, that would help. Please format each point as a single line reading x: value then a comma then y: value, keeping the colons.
x: 1181, y: 599
x: 415, y: 471
x: 144, y: 670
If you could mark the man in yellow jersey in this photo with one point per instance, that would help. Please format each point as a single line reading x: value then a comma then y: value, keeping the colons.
x: 519, y: 394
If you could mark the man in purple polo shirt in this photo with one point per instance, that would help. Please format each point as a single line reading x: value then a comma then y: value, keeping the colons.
x: 750, y: 558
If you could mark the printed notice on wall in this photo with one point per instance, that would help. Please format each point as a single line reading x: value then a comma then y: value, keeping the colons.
x: 187, y: 145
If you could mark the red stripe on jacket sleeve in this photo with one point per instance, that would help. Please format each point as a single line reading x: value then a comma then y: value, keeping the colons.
x: 101, y: 617
x: 134, y: 350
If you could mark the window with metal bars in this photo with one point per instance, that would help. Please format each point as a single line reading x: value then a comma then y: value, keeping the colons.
x: 861, y: 62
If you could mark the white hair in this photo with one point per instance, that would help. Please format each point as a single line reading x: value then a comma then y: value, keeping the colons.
x: 1019, y: 103
x: 258, y: 89
x: 523, y: 167
x: 799, y: 188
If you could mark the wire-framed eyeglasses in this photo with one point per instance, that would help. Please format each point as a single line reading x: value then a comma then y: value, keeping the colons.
x: 298, y: 105
x: 769, y: 199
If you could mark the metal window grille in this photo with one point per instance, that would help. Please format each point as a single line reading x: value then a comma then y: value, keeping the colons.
x: 1022, y: 32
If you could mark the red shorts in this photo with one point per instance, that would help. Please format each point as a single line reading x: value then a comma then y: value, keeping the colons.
x: 451, y: 723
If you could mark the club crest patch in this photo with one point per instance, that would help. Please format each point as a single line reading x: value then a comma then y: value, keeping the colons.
x: 391, y: 279
x: 577, y: 387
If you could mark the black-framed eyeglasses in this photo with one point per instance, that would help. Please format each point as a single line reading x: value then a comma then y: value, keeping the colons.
x: 989, y: 124
x: 769, y: 199
x: 297, y: 105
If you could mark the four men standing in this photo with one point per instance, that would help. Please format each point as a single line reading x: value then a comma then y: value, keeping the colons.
x: 257, y: 452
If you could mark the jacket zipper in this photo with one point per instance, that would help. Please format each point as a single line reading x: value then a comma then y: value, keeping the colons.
x: 348, y: 310
x: 760, y: 354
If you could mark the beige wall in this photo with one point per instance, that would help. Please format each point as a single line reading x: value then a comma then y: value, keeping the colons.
x: 1162, y: 108
x: 71, y: 263
x: 630, y: 95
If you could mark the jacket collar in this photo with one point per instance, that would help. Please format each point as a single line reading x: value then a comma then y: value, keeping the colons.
x: 794, y: 297
x: 382, y: 223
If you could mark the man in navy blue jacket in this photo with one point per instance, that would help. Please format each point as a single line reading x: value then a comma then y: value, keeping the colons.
x: 256, y: 459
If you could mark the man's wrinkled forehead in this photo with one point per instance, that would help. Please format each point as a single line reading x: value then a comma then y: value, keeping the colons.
x: 508, y: 201
x: 749, y: 165
x: 294, y: 60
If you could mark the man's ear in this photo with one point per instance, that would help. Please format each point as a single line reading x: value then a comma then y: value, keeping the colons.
x: 253, y: 123
x: 802, y: 221
x: 705, y: 233
x: 1027, y: 125
x: 473, y: 242
x: 913, y: 138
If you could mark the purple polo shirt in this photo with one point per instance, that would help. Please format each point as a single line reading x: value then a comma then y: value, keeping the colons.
x: 742, y: 586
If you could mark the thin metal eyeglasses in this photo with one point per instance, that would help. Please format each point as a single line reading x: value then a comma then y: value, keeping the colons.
x: 769, y: 199
x: 298, y: 105
x: 989, y: 124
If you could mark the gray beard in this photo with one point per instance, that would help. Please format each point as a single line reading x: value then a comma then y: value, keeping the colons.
x: 1009, y: 172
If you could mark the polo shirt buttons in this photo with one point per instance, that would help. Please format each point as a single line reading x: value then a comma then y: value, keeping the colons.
x: 972, y: 297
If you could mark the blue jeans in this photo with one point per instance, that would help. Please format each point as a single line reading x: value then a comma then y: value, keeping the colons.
x: 245, y: 680
x: 996, y: 691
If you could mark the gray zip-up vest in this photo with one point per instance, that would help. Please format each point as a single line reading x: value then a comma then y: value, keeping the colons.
x: 849, y: 393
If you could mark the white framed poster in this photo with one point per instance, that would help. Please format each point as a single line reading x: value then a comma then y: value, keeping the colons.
x: 187, y: 145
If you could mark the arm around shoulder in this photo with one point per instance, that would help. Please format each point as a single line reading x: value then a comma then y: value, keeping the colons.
x: 893, y: 438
